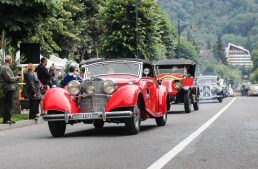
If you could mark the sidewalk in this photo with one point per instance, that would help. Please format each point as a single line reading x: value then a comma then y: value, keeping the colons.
x: 21, y: 123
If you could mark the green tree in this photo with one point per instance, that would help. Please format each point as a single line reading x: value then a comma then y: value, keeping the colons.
x: 219, y: 53
x: 187, y: 50
x: 45, y: 21
x: 155, y: 33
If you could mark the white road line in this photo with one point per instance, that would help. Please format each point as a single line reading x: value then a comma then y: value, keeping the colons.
x: 178, y: 148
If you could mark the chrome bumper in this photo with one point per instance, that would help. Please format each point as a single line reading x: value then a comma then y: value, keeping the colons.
x: 88, y: 116
x: 209, y: 98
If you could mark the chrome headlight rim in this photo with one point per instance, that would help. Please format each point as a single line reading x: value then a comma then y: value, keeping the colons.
x: 74, y: 87
x: 177, y: 85
x: 90, y: 90
x: 109, y: 86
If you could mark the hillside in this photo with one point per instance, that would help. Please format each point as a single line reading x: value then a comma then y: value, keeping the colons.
x: 235, y: 20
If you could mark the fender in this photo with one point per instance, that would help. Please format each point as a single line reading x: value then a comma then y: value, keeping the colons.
x: 60, y: 100
x: 162, y: 99
x: 125, y: 96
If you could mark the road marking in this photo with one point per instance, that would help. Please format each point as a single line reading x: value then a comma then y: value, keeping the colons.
x: 178, y: 148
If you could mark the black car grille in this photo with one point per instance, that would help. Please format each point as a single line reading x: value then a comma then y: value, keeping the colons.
x: 96, y: 102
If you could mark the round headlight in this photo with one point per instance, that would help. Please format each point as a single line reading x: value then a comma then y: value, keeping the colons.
x: 109, y: 86
x: 90, y: 90
x: 74, y: 87
x: 177, y: 85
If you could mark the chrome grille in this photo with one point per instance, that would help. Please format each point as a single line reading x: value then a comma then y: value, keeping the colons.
x: 206, y: 91
x: 97, y: 102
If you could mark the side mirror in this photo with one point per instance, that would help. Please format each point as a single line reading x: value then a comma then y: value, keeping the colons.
x: 146, y: 71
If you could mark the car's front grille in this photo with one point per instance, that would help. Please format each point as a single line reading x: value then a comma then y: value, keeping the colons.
x: 206, y: 91
x: 96, y: 102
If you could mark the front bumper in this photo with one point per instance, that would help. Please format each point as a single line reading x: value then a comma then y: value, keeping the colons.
x: 88, y: 116
x: 210, y: 97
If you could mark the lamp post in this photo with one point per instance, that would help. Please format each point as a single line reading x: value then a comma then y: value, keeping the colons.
x: 89, y: 51
x: 136, y: 28
x: 179, y: 30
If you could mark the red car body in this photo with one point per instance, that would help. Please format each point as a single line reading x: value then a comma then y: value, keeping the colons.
x: 177, y: 75
x: 132, y: 92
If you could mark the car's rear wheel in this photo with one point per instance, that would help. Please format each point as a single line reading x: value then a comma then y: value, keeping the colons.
x: 187, y: 101
x: 161, y: 121
x: 98, y: 124
x: 57, y: 128
x: 133, y: 123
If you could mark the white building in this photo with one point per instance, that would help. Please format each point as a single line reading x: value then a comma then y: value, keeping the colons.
x: 238, y: 56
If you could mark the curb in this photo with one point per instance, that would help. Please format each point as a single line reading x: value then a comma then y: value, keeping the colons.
x: 21, y: 123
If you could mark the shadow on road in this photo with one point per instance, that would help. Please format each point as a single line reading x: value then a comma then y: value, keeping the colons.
x: 176, y: 112
x: 116, y: 131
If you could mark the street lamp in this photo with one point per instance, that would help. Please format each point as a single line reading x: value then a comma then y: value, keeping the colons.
x: 179, y: 30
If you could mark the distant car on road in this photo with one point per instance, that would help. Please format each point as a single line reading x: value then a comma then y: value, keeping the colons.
x: 114, y: 91
x: 210, y: 88
x: 178, y: 75
x: 253, y: 90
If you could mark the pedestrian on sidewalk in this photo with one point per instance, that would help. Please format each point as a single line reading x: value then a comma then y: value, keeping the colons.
x: 33, y: 91
x: 9, y: 86
x: 44, y: 78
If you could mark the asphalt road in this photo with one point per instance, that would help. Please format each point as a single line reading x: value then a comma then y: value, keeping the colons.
x: 229, y: 142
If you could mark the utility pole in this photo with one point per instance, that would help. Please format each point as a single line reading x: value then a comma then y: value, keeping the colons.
x: 179, y: 30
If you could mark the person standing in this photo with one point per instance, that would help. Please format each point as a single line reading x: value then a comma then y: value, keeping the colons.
x: 33, y: 90
x: 44, y: 78
x: 43, y: 74
x: 9, y: 86
x: 53, y: 80
x: 72, y: 75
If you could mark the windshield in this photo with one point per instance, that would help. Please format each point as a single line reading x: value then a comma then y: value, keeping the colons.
x: 172, y: 70
x: 104, y: 68
x: 206, y: 81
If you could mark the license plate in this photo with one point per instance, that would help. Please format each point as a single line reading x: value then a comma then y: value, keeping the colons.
x: 83, y: 116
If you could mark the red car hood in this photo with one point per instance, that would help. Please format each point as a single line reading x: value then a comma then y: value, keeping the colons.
x: 120, y: 79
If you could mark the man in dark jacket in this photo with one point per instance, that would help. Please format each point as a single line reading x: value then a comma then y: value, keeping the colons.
x: 42, y: 72
x: 9, y: 86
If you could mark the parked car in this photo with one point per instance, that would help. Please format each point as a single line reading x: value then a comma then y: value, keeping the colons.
x: 116, y: 91
x: 210, y: 88
x: 230, y: 91
x: 177, y: 75
x: 253, y: 90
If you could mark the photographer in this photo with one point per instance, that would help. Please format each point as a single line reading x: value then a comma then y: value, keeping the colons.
x: 9, y: 87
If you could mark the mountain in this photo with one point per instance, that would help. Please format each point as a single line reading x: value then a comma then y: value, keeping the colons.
x: 235, y: 20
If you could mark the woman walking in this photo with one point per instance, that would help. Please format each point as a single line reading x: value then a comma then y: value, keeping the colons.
x: 33, y: 90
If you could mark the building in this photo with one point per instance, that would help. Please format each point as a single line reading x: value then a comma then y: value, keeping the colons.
x: 238, y: 56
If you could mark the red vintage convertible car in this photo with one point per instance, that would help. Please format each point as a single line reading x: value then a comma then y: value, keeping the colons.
x: 118, y: 91
x: 178, y: 77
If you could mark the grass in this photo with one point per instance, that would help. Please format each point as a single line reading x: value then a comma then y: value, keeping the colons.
x: 17, y: 117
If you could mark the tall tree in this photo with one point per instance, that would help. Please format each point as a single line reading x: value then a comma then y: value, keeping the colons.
x: 219, y: 51
x: 123, y: 39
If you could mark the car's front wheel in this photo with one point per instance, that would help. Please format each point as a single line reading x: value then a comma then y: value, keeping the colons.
x: 161, y: 121
x: 98, y: 124
x: 220, y: 99
x: 133, y: 123
x: 57, y: 128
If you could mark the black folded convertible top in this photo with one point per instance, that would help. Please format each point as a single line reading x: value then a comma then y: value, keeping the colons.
x: 181, y: 61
